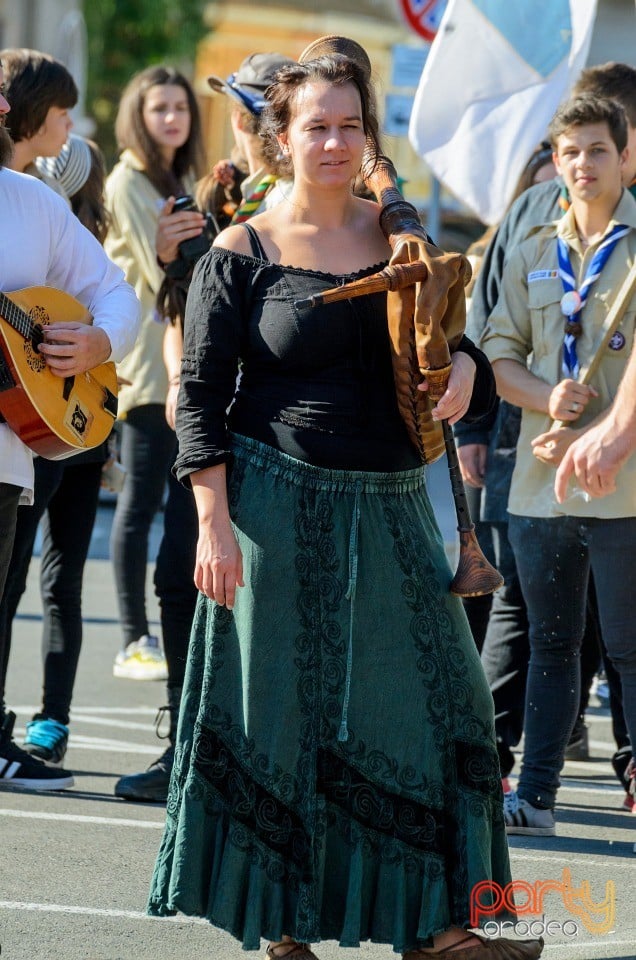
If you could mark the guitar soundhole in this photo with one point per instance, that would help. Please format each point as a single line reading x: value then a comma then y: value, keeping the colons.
x: 33, y: 357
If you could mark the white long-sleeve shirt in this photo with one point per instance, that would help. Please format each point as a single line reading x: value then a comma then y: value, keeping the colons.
x: 42, y: 243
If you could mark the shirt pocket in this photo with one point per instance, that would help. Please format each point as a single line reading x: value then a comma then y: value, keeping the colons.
x: 544, y: 303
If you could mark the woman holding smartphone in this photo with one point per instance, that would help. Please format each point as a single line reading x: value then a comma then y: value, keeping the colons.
x: 159, y: 132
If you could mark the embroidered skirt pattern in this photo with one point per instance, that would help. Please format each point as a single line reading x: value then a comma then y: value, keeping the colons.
x: 335, y: 775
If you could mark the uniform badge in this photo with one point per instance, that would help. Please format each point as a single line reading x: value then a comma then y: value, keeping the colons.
x: 617, y: 342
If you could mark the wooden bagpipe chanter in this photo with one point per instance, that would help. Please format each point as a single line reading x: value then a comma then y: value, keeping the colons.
x: 426, y: 310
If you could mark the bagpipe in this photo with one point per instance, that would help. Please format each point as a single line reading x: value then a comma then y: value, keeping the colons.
x: 426, y: 308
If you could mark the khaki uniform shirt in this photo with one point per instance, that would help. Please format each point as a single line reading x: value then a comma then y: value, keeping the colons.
x: 527, y: 326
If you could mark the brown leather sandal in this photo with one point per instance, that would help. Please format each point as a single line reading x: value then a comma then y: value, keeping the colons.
x: 296, y: 951
x: 500, y: 949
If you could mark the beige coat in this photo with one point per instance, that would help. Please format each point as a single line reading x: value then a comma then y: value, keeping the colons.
x: 134, y: 205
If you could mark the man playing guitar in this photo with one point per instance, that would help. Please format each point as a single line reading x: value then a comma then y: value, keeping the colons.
x: 43, y: 244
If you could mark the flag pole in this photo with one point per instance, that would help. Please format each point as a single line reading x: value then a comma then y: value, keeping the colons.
x: 433, y: 216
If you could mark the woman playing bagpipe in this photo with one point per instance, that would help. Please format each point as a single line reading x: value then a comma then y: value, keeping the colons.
x: 335, y: 775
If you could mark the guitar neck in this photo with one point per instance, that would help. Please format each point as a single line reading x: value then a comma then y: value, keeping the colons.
x: 16, y: 317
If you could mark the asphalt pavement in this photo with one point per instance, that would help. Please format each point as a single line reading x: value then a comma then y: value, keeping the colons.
x: 75, y: 865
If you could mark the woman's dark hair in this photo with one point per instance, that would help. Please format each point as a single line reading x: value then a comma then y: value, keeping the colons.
x: 541, y: 157
x: 88, y: 203
x: 281, y: 97
x: 33, y: 83
x: 589, y: 108
x: 131, y: 132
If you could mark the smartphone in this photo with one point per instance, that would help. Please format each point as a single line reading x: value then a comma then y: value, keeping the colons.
x: 183, y: 203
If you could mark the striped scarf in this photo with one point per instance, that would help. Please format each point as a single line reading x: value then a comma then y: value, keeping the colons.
x: 251, y: 203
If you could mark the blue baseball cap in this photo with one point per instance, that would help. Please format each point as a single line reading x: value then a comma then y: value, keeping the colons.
x: 248, y: 85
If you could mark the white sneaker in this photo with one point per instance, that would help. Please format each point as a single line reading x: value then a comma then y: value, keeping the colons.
x: 142, y: 660
x: 522, y: 818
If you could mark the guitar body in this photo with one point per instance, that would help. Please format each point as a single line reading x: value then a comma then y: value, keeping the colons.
x: 54, y: 416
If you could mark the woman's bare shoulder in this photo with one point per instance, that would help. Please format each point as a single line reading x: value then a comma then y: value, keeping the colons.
x: 234, y: 238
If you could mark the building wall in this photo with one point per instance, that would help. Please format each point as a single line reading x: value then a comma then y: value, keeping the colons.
x: 53, y: 26
x: 614, y: 35
x: 240, y: 28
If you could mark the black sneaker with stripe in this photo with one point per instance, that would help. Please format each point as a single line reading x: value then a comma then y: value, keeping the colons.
x: 20, y: 769
x: 522, y: 818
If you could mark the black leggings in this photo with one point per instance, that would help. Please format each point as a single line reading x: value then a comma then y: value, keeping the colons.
x: 147, y: 450
x: 174, y: 577
x: 65, y: 499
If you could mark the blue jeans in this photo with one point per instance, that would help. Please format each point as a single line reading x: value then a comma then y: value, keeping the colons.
x: 554, y: 557
x: 147, y: 449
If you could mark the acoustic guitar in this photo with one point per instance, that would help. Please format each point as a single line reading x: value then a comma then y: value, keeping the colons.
x: 54, y: 416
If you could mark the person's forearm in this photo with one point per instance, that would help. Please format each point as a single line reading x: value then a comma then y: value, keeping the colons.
x: 210, y: 493
x: 219, y: 563
x: 173, y: 351
x: 517, y: 385
x: 596, y: 458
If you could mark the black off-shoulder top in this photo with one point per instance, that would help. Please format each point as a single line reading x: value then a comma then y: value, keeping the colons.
x: 316, y: 384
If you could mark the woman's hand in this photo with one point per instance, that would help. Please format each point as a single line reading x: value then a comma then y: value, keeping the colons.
x: 219, y: 565
x: 455, y: 402
x: 225, y: 172
x: 550, y: 447
x: 173, y: 228
x: 569, y: 399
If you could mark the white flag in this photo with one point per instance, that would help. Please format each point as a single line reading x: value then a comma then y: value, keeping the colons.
x: 496, y: 73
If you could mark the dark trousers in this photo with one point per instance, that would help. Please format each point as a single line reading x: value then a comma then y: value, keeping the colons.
x: 147, y: 449
x: 174, y: 577
x: 477, y: 609
x: 9, y: 499
x: 65, y: 499
x: 554, y: 558
x: 506, y: 651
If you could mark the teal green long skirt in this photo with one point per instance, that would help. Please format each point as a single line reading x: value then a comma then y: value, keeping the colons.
x: 335, y: 775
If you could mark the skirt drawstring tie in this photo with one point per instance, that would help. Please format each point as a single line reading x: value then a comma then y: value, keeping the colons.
x: 343, y: 733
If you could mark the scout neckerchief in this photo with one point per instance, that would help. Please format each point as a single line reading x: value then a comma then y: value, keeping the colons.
x: 252, y: 202
x: 573, y: 300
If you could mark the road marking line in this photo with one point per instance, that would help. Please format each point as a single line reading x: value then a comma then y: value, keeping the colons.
x: 580, y: 786
x: 112, y: 748
x: 111, y: 722
x: 516, y: 853
x: 94, y: 911
x: 182, y: 918
x: 83, y: 742
x: 33, y: 708
x: 74, y: 818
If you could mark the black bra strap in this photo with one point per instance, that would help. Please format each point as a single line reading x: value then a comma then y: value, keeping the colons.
x: 255, y: 242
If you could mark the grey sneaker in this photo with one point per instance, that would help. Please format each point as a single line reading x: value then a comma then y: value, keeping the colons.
x: 522, y: 818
